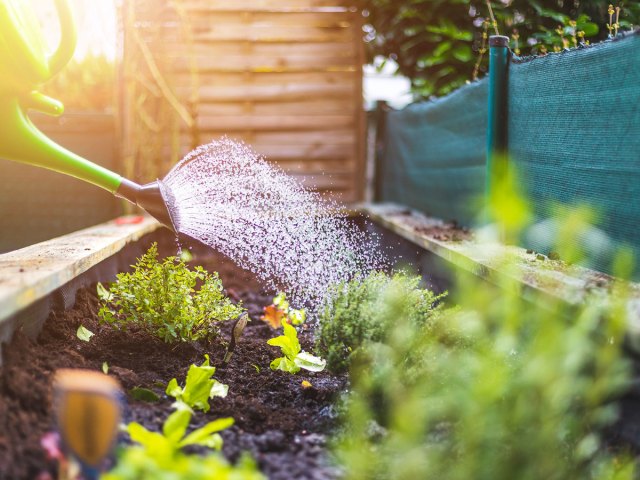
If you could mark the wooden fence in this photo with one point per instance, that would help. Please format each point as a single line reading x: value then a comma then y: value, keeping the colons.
x: 283, y: 75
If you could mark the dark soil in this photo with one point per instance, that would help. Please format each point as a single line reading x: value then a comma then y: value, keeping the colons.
x: 280, y: 423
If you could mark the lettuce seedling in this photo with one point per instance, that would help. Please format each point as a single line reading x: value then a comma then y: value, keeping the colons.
x: 294, y: 358
x: 199, y: 387
x: 174, y: 434
x: 161, y: 298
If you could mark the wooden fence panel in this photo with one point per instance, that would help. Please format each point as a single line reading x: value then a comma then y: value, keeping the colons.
x: 284, y: 76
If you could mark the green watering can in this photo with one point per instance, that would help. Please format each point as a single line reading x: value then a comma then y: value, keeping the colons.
x: 24, y: 66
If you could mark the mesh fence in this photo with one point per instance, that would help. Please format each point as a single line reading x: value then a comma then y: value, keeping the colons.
x: 433, y: 158
x: 574, y: 139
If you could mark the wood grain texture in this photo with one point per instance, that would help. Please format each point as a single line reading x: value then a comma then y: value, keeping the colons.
x: 31, y: 273
x: 282, y: 75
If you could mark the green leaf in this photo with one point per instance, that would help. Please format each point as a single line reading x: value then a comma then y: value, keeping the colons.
x: 173, y: 389
x: 105, y: 368
x: 202, y: 436
x: 218, y: 389
x: 146, y: 438
x: 143, y: 394
x: 175, y: 426
x: 589, y: 28
x: 84, y: 334
x: 199, y: 387
x: 291, y: 333
x: 309, y: 362
x: 103, y: 293
x: 284, y: 364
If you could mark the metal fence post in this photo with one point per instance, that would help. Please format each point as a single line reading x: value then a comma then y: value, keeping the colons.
x: 497, y: 121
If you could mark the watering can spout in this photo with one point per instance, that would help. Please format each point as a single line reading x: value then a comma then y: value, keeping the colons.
x: 154, y: 198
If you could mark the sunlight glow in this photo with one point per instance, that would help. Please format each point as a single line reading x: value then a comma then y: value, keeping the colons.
x: 96, y: 21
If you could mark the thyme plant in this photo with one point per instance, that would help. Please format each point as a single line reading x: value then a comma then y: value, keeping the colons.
x: 357, y: 312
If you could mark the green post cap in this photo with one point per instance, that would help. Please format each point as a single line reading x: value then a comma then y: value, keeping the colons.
x: 24, y: 66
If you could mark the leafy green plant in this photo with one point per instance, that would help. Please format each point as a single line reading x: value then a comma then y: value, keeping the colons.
x: 503, y: 387
x: 158, y: 455
x: 357, y: 312
x: 441, y: 44
x: 294, y: 358
x: 161, y: 298
x: 199, y: 387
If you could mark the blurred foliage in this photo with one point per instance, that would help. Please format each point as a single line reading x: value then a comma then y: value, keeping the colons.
x: 86, y: 84
x: 440, y: 45
x: 503, y: 387
x: 356, y: 312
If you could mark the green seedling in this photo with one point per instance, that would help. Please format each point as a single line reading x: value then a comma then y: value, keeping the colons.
x: 158, y: 455
x: 105, y: 368
x: 199, y: 387
x: 84, y: 334
x: 161, y: 298
x: 174, y: 435
x: 294, y: 358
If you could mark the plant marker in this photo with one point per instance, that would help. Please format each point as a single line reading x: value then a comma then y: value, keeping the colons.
x: 88, y: 411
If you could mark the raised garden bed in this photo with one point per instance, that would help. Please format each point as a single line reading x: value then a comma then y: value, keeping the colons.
x: 284, y: 425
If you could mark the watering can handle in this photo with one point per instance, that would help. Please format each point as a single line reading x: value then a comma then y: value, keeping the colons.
x: 68, y: 38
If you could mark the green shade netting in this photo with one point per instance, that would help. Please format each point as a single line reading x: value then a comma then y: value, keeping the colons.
x: 574, y: 139
x: 433, y: 158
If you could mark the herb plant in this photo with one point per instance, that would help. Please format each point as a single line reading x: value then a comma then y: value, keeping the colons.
x: 357, y: 312
x: 199, y: 387
x: 161, y: 298
x: 294, y: 358
x: 502, y: 388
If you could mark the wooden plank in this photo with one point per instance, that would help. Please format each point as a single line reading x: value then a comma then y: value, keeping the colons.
x: 181, y: 80
x: 271, y: 93
x: 328, y: 153
x: 316, y: 168
x: 30, y: 274
x: 494, y: 261
x: 267, y: 5
x: 232, y: 33
x: 226, y: 49
x: 281, y: 137
x: 275, y: 122
x: 342, y: 18
x: 324, y: 181
x: 293, y: 62
x: 298, y: 107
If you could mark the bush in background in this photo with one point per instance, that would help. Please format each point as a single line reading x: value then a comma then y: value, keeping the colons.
x: 442, y: 44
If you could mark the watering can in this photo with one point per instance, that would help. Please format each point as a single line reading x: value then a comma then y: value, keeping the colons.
x: 24, y: 66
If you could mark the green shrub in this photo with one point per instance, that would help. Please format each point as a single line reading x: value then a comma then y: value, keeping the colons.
x: 358, y: 312
x: 161, y: 298
x: 502, y: 388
